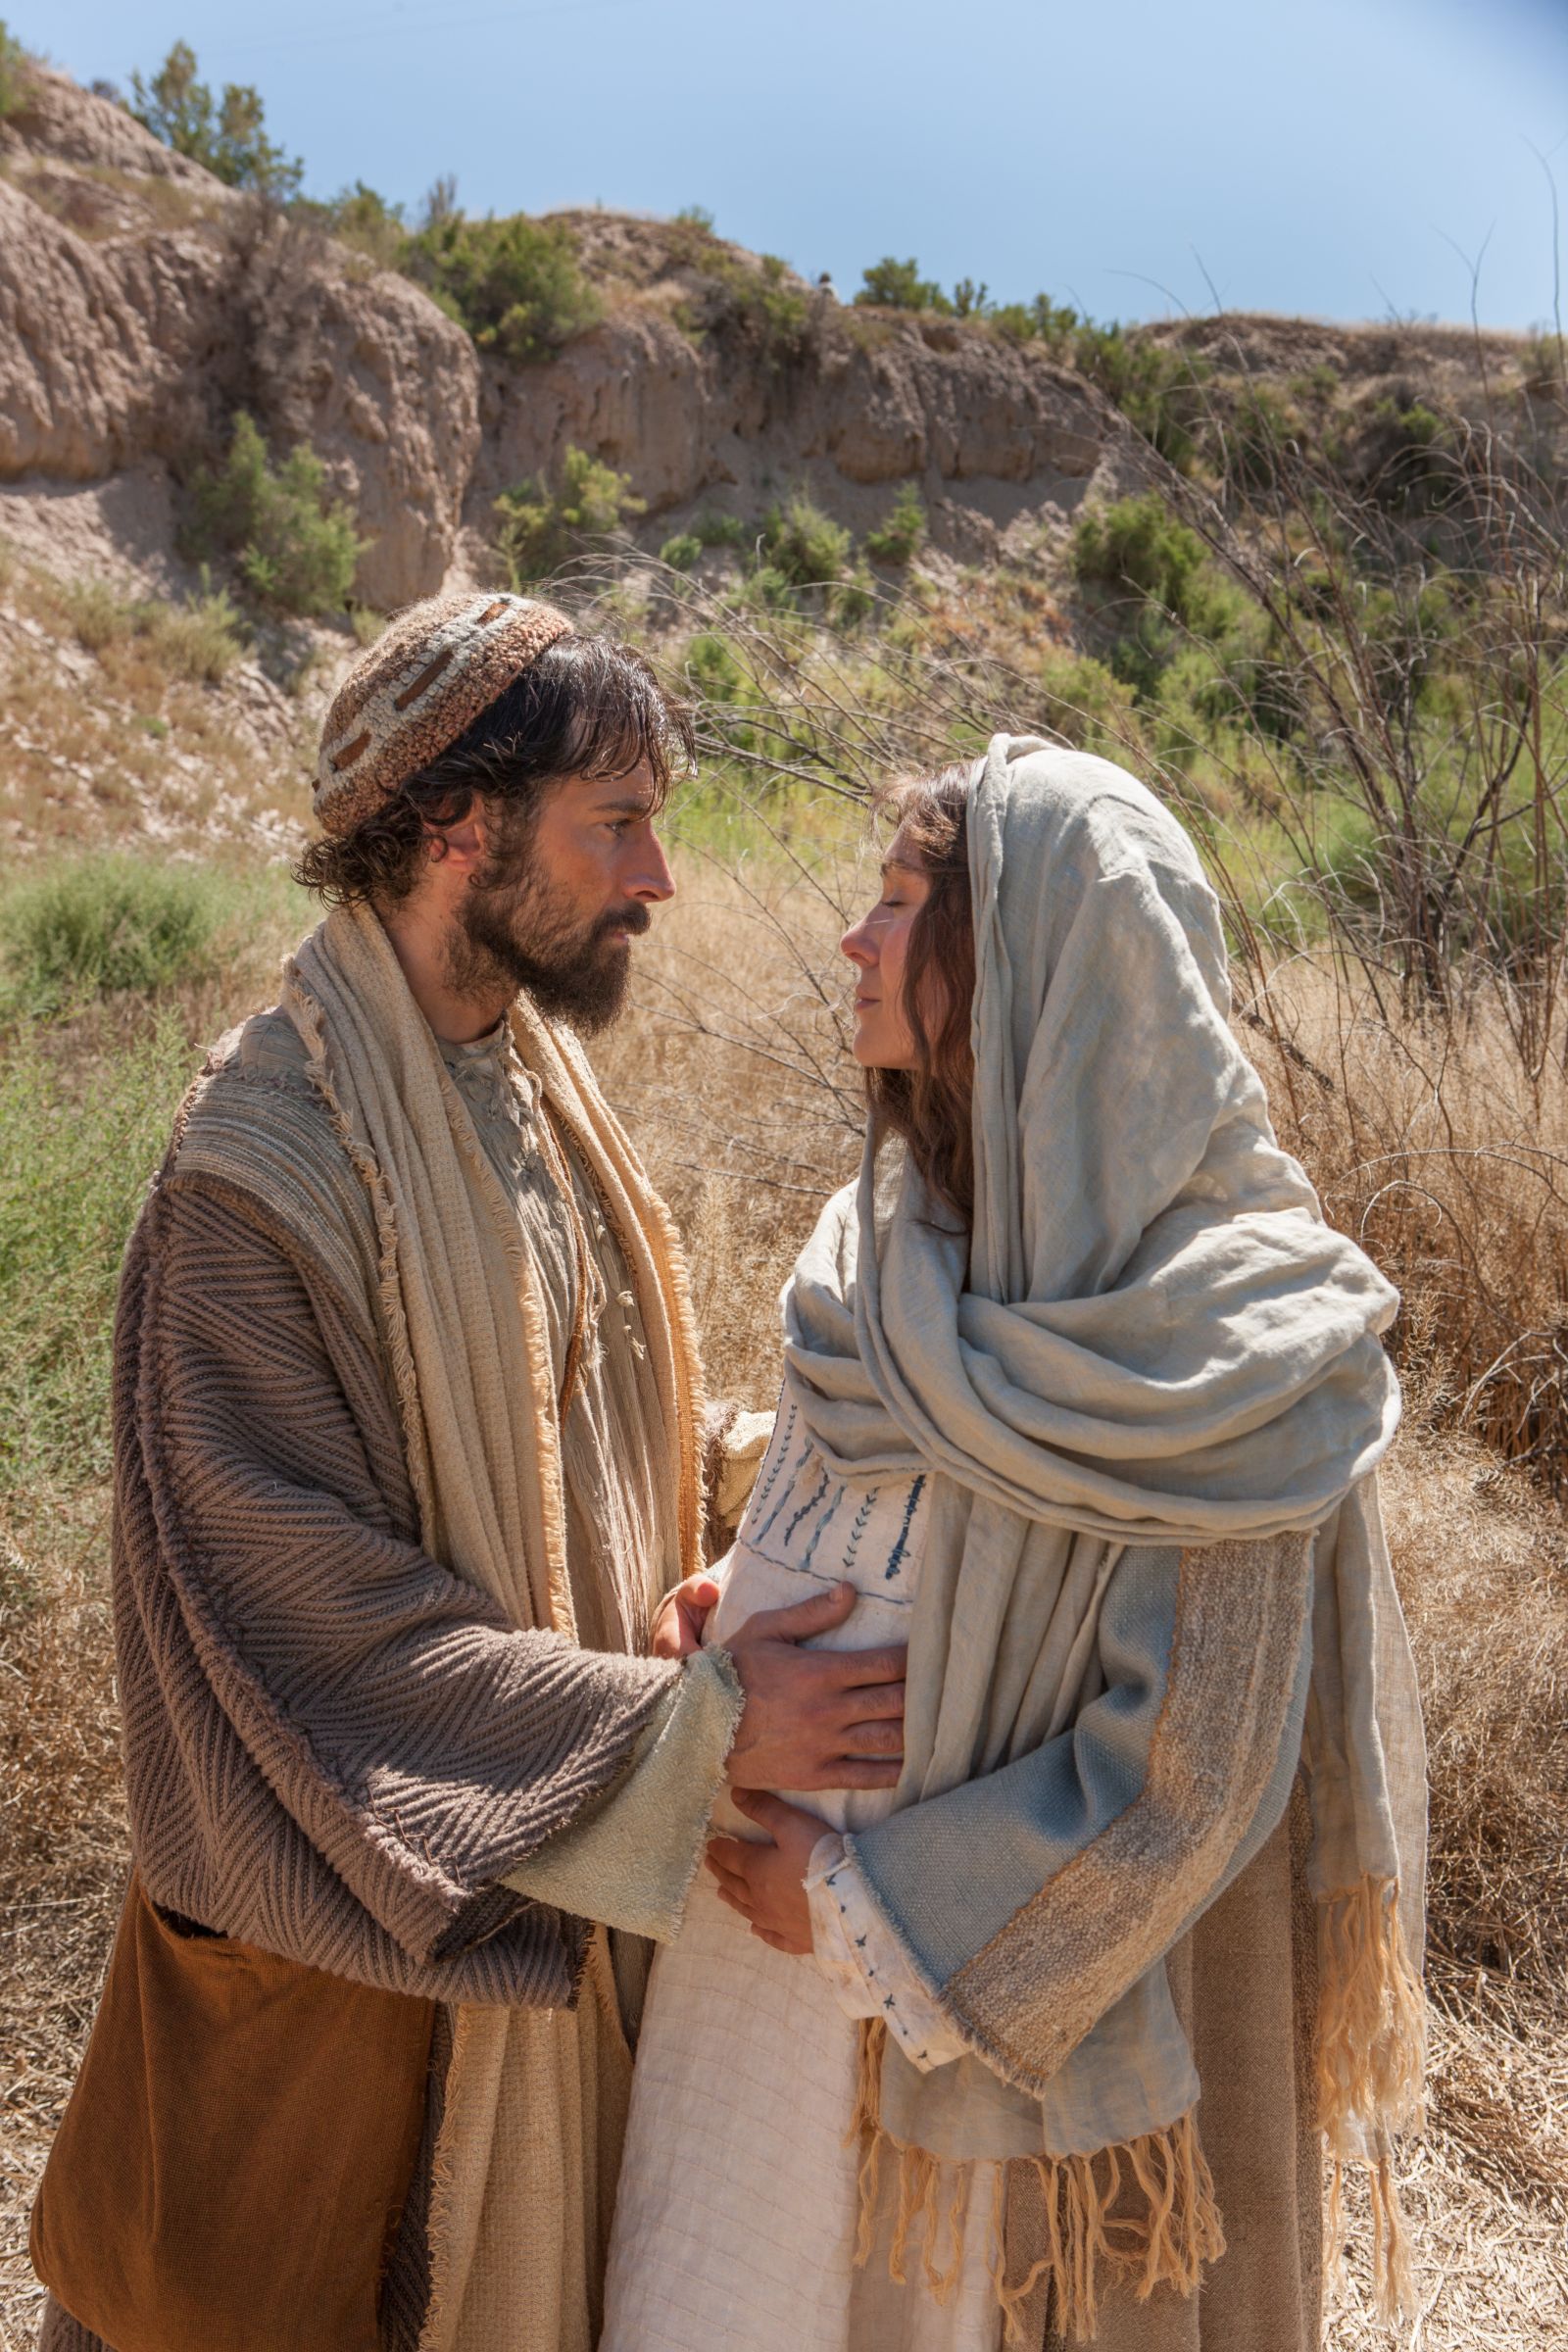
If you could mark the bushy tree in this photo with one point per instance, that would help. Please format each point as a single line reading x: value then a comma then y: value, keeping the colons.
x: 895, y: 285
x: 228, y: 135
x: 515, y: 284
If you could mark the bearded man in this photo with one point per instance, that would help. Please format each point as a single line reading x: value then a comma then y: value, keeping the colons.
x: 419, y: 1747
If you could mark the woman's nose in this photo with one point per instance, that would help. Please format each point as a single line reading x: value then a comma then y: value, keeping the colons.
x: 856, y: 945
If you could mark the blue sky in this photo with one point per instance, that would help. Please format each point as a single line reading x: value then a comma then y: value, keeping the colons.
x: 1326, y: 159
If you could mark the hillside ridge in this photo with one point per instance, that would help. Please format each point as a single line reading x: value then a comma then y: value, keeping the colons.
x: 142, y: 303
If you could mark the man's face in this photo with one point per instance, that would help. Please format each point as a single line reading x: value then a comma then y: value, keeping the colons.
x: 556, y: 905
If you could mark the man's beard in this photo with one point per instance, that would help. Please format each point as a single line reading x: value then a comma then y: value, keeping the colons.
x: 572, y: 970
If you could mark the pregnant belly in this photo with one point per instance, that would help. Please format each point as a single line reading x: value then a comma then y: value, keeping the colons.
x: 752, y: 1583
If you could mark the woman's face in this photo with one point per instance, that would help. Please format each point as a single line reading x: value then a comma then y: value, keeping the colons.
x: 878, y: 946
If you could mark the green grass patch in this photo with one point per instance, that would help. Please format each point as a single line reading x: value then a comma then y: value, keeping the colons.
x: 78, y: 1140
x: 101, y: 926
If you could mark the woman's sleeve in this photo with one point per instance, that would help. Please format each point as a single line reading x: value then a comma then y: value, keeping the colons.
x: 1027, y: 1902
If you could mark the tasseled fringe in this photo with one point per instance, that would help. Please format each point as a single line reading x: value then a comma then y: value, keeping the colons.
x: 1371, y: 2068
x: 1165, y: 2242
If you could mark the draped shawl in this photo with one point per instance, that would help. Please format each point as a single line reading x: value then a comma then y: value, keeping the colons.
x: 1149, y: 1337
x: 466, y: 1328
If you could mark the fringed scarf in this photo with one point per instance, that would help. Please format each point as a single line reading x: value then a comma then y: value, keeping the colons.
x: 465, y: 1331
x: 1149, y: 1337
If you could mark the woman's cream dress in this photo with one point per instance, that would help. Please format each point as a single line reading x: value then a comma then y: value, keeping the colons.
x: 738, y: 2208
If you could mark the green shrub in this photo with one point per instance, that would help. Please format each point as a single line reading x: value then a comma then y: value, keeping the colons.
x: 537, y: 528
x: 769, y: 589
x: 15, y: 74
x: 904, y: 532
x: 894, y: 285
x: 1158, y: 587
x: 1087, y: 705
x: 713, y: 669
x: 757, y: 305
x: 807, y: 547
x: 695, y: 215
x: 1154, y: 388
x: 1039, y: 321
x: 722, y: 530
x: 681, y: 551
x: 515, y: 283
x: 226, y: 137
x: 1261, y: 433
x: 201, y: 639
x: 294, y: 545
x: 851, y: 600
x: 1139, y: 544
x: 95, y: 926
x: 362, y: 218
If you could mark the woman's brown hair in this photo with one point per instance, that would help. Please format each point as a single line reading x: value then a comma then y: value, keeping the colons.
x: 930, y: 1106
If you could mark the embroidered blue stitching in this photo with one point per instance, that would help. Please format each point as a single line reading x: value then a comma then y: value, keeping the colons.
x: 780, y: 1450
x: 899, y: 1547
x: 861, y: 1517
x: 810, y: 1505
x: 811, y: 1549
x: 805, y: 1454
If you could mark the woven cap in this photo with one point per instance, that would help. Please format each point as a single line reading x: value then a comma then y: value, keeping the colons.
x: 412, y: 694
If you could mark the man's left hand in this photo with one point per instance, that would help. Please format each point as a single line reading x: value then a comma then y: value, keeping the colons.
x: 765, y: 1884
x: 682, y: 1614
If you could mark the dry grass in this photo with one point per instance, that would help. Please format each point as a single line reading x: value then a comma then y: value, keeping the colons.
x: 138, y: 718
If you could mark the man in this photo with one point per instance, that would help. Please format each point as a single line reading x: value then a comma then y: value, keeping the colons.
x: 408, y: 1480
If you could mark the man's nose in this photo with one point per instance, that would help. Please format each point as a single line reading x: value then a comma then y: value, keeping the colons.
x: 651, y: 879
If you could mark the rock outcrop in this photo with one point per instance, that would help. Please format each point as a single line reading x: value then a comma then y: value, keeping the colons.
x: 125, y: 339
x: 141, y: 303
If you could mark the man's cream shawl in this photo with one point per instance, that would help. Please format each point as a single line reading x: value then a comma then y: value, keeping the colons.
x: 466, y: 1328
x: 1150, y: 1339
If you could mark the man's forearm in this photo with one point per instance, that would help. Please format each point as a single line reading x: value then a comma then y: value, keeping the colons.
x: 629, y: 1857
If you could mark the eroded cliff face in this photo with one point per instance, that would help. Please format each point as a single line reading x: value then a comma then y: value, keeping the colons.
x: 997, y: 439
x: 141, y: 303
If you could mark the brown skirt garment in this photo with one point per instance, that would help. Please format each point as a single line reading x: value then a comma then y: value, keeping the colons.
x: 1245, y: 1982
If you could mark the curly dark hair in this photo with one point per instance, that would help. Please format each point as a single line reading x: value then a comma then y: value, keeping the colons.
x: 586, y: 707
x: 930, y: 1106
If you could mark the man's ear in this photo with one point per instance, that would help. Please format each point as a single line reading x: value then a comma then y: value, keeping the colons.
x: 464, y: 846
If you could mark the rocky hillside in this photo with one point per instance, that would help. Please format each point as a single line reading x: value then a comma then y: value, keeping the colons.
x: 142, y: 303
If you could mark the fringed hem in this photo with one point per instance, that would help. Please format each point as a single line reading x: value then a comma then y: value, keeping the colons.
x: 1371, y: 2068
x: 1167, y: 2243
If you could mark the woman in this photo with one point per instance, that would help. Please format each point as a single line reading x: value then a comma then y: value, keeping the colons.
x: 1083, y: 1396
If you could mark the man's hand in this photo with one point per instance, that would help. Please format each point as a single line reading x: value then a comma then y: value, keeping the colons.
x: 817, y: 1719
x: 682, y: 1614
x: 764, y: 1882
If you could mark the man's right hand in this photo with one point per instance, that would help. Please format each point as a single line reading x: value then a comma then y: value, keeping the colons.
x: 815, y: 1719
